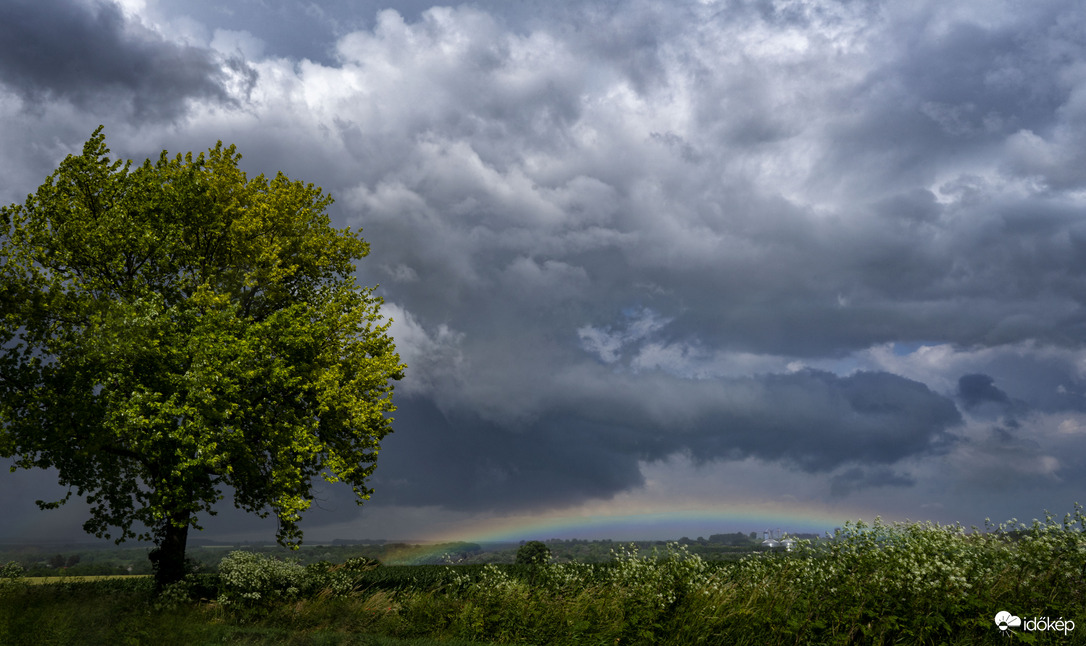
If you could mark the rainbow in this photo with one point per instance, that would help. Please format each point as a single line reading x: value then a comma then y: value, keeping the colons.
x: 645, y: 526
x: 650, y: 524
x: 634, y: 526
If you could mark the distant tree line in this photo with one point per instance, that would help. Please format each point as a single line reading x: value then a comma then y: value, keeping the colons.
x: 113, y: 561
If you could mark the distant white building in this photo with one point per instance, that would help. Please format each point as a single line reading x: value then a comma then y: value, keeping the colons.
x: 772, y: 540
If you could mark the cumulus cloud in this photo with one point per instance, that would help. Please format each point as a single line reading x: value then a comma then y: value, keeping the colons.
x: 433, y: 356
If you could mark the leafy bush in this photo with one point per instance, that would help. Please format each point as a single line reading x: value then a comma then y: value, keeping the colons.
x: 11, y: 571
x: 338, y: 580
x: 628, y: 601
x: 533, y: 553
x: 251, y: 579
x: 11, y: 574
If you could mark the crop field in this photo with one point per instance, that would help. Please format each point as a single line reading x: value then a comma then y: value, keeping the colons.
x: 873, y: 583
x: 40, y: 580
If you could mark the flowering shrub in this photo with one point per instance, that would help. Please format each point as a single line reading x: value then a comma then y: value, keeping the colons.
x: 914, y: 582
x: 246, y: 578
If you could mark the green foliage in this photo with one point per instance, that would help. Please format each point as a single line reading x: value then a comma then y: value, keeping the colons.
x: 172, y: 329
x: 11, y: 570
x: 11, y: 574
x: 176, y: 594
x: 533, y: 553
x: 630, y: 600
x: 877, y: 583
x: 418, y: 577
x: 127, y: 614
x: 252, y: 579
x: 338, y: 580
x: 912, y: 583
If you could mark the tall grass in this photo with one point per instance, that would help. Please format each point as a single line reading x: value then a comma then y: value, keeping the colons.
x: 125, y: 613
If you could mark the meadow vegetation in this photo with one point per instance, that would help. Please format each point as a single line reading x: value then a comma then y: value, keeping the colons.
x: 877, y: 583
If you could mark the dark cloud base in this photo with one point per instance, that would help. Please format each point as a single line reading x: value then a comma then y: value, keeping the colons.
x: 96, y: 59
x: 813, y: 421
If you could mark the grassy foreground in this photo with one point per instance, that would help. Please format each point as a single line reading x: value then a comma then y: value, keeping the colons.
x: 870, y: 584
x: 96, y: 613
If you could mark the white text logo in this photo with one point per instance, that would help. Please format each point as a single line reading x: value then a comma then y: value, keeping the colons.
x: 1006, y: 621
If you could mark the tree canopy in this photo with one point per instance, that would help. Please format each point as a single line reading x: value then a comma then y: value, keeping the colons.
x: 533, y: 553
x: 174, y: 329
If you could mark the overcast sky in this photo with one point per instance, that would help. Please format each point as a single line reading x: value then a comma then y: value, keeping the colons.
x: 810, y: 259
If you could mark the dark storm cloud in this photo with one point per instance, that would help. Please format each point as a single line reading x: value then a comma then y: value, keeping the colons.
x: 463, y: 462
x: 864, y: 417
x: 95, y: 58
x: 858, y: 478
x: 592, y: 443
x: 978, y: 389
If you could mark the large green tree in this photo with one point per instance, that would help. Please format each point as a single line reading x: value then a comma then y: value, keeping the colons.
x: 175, y: 329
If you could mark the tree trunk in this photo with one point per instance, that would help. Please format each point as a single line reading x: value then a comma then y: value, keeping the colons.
x: 168, y: 559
